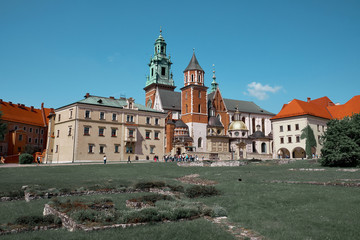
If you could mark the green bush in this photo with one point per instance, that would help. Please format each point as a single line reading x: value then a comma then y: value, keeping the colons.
x: 87, y: 215
x: 177, y: 188
x: 218, y: 211
x: 37, y: 220
x: 26, y: 158
x: 147, y: 185
x: 201, y: 191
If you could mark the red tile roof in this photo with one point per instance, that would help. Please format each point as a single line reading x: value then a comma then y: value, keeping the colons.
x: 21, y: 114
x: 321, y: 107
x: 347, y: 109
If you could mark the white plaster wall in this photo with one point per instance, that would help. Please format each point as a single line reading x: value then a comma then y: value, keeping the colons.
x: 196, y: 131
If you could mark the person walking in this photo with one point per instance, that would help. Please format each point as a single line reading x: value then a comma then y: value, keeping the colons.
x: 104, y: 159
x: 129, y: 161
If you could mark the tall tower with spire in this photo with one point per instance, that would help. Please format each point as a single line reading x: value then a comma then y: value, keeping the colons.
x: 214, y: 84
x: 193, y: 103
x: 160, y: 72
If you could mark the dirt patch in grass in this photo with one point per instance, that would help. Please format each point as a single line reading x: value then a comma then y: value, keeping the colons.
x: 194, y: 179
x: 342, y: 184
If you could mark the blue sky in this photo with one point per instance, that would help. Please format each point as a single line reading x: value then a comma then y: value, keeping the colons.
x: 268, y: 52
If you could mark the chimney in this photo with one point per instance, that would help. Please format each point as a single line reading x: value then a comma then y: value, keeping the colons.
x: 32, y: 108
x: 308, y: 99
x: 42, y: 105
x: 111, y: 97
x: 1, y: 101
x: 87, y: 95
x: 19, y: 105
x: 10, y: 103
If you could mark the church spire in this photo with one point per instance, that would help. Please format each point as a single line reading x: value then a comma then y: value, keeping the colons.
x: 160, y: 65
x: 214, y: 84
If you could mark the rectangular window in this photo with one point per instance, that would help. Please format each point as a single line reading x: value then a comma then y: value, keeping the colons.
x: 59, y: 117
x: 42, y: 131
x: 91, y: 148
x: 57, y: 148
x: 114, y: 117
x: 152, y: 149
x: 131, y: 133
x: 24, y: 128
x: 297, y: 139
x: 323, y: 128
x: 116, y: 148
x: 130, y: 118
x: 281, y: 129
x: 70, y: 113
x: 29, y: 141
x: 289, y: 127
x: 58, y: 133
x: 36, y: 140
x: 156, y: 121
x: 101, y: 131
x: 156, y: 135
x: 87, y: 114
x: 102, y: 115
x: 162, y: 71
x: 318, y: 128
x: 289, y: 139
x: 102, y: 149
x: 129, y: 149
x: 281, y: 140
x: 296, y: 126
x: 16, y: 127
x: 86, y: 131
x: 147, y: 120
x: 113, y: 132
x: 147, y: 135
x: 36, y: 131
x: 41, y: 141
x: 20, y: 137
x: 30, y: 129
x: 69, y: 131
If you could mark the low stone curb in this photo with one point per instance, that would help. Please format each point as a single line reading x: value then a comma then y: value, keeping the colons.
x: 343, y: 184
x: 24, y: 229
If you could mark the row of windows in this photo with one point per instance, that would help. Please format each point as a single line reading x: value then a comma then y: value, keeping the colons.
x: 289, y: 139
x: 187, y: 108
x: 199, y: 95
x: 192, y: 78
x: 289, y: 127
x: 30, y: 129
x: 129, y: 149
x: 20, y: 138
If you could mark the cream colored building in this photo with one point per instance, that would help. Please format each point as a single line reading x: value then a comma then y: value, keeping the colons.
x: 87, y: 130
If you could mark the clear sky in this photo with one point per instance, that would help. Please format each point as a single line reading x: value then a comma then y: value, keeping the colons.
x: 268, y: 52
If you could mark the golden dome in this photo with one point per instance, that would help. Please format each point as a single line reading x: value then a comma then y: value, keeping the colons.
x: 238, y: 125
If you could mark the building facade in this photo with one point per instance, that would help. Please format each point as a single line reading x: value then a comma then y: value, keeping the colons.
x: 297, y: 114
x: 199, y: 118
x: 26, y: 128
x: 121, y: 129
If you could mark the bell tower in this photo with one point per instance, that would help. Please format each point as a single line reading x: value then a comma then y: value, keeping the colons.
x: 160, y: 75
x: 193, y: 103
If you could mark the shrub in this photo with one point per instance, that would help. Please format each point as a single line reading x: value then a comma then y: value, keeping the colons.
x: 26, y: 158
x: 81, y: 216
x: 218, y: 211
x: 37, y: 220
x: 147, y: 185
x: 201, y: 191
x: 177, y: 188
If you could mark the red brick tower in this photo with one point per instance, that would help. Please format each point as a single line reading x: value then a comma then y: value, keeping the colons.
x: 193, y: 103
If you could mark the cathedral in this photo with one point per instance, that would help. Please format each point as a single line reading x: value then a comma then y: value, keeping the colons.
x: 199, y: 120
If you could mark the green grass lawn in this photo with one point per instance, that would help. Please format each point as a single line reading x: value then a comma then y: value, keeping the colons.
x: 275, y: 210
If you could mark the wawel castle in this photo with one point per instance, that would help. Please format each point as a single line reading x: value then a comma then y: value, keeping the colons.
x: 197, y: 120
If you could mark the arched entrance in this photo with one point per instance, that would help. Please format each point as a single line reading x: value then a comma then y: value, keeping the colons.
x: 298, y: 152
x: 283, y: 153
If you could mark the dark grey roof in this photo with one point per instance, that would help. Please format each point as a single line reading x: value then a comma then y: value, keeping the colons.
x: 194, y: 64
x: 180, y: 124
x: 215, y: 122
x: 170, y: 100
x: 258, y: 134
x: 210, y: 96
x: 244, y: 106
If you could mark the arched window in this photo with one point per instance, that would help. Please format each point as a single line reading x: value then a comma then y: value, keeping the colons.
x: 263, y: 147
x: 186, y: 108
x: 199, y: 108
x: 263, y: 125
x: 192, y: 77
x: 254, y: 147
x: 199, y: 78
x: 253, y: 125
x: 162, y: 49
x: 199, y: 142
x: 243, y: 119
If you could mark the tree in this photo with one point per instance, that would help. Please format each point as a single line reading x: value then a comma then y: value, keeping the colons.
x: 3, y: 128
x: 308, y: 134
x: 341, y: 143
